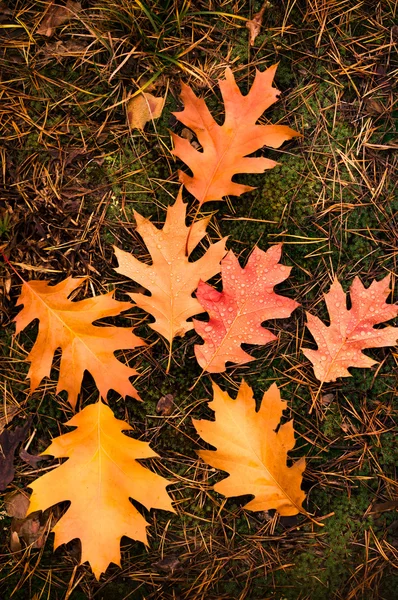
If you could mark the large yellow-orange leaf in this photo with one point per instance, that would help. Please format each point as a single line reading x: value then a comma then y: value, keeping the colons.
x: 351, y: 330
x: 99, y: 477
x: 171, y: 278
x: 68, y: 325
x: 251, y: 450
x: 225, y: 148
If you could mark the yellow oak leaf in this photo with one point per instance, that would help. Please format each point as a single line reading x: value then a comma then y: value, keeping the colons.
x: 253, y: 450
x: 171, y: 278
x: 99, y: 477
x: 69, y: 325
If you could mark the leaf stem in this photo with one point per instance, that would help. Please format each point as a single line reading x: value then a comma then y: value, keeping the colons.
x: 169, y: 359
x: 190, y: 228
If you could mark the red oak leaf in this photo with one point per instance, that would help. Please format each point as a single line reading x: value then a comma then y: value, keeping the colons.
x: 350, y: 331
x: 236, y: 313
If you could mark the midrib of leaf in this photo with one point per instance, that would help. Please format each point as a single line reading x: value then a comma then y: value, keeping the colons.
x: 171, y: 295
x: 101, y: 450
x: 99, y: 429
x: 226, y: 151
x: 260, y: 461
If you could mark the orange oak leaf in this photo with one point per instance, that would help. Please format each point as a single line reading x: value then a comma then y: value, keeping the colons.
x: 68, y: 325
x: 99, y: 477
x: 226, y: 147
x: 350, y: 331
x: 251, y: 450
x: 237, y: 312
x: 171, y: 278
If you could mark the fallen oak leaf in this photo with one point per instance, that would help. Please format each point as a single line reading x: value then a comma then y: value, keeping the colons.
x: 237, y: 312
x: 68, y: 325
x: 143, y: 108
x: 171, y: 278
x: 226, y: 147
x: 252, y: 447
x: 351, y: 330
x: 99, y: 477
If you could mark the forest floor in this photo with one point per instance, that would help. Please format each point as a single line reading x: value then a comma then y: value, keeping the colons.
x: 72, y: 173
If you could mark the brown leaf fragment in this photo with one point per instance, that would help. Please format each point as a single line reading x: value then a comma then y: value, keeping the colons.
x: 187, y: 134
x: 5, y: 284
x: 254, y: 25
x: 7, y: 413
x: 15, y: 544
x: 64, y: 48
x: 31, y: 459
x: 9, y: 441
x: 16, y: 504
x: 57, y: 15
x: 384, y: 506
x: 29, y: 529
x: 374, y: 107
x: 165, y: 405
x: 169, y: 564
x: 143, y: 108
x: 327, y: 399
x: 34, y: 528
